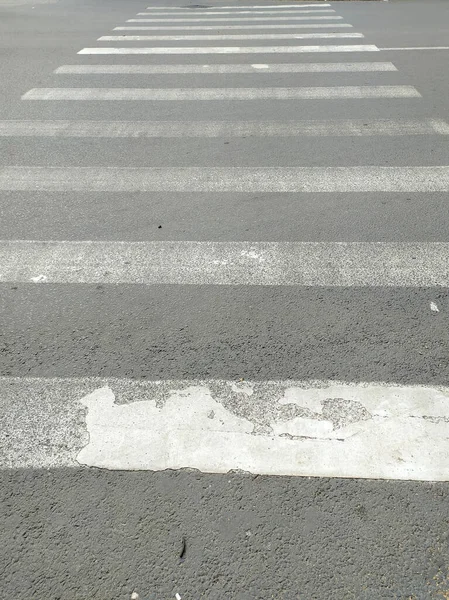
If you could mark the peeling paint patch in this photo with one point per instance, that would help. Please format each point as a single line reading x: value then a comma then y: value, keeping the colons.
x: 327, y: 430
x: 304, y: 428
x: 39, y: 279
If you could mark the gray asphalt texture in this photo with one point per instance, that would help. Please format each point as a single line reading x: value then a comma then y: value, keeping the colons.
x: 90, y: 534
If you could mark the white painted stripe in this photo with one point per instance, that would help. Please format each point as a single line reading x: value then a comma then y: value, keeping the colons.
x: 206, y: 94
x: 228, y: 68
x: 240, y: 12
x: 212, y: 129
x: 419, y: 48
x: 366, y: 430
x: 251, y: 19
x: 244, y: 36
x: 233, y: 27
x: 223, y: 179
x: 279, y: 7
x: 233, y: 50
x: 327, y: 264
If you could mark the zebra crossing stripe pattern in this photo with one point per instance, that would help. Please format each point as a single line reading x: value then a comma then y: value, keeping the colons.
x: 338, y: 429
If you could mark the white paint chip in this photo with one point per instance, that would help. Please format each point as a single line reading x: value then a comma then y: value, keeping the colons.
x: 434, y: 307
x: 178, y: 597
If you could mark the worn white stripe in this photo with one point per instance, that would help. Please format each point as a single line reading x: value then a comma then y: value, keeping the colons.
x: 279, y: 7
x: 228, y: 68
x: 245, y: 36
x: 233, y: 27
x: 419, y: 48
x: 240, y: 12
x: 180, y: 94
x: 211, y: 129
x: 251, y: 19
x: 302, y: 428
x: 233, y: 50
x: 223, y: 179
x: 333, y: 264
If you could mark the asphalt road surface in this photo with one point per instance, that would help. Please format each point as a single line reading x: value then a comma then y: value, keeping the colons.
x: 224, y: 262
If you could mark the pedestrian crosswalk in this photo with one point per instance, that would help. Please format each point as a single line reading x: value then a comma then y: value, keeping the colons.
x: 204, y: 302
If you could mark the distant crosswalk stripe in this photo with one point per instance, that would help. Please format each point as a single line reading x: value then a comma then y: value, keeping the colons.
x: 242, y: 12
x: 253, y: 68
x: 332, y: 264
x: 419, y: 48
x: 279, y: 7
x: 233, y: 50
x: 233, y: 27
x: 245, y: 36
x: 178, y: 94
x: 207, y: 129
x: 227, y: 179
x: 227, y: 19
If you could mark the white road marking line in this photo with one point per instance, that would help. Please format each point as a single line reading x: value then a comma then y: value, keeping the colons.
x: 419, y: 48
x: 321, y: 264
x: 212, y: 129
x: 227, y: 179
x: 279, y: 7
x: 240, y: 12
x: 237, y: 8
x: 233, y: 27
x: 244, y: 36
x: 206, y: 94
x: 234, y: 50
x: 250, y: 19
x: 227, y: 68
x: 300, y: 428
